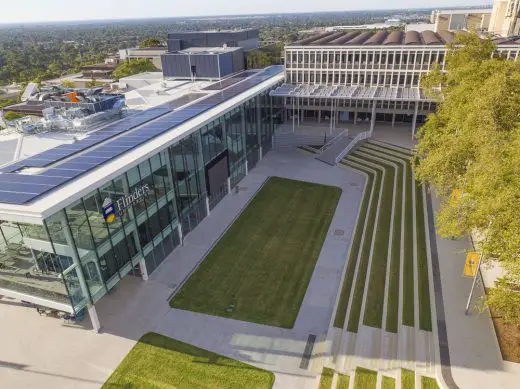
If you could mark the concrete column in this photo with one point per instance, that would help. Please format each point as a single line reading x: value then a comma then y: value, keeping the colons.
x: 260, y: 152
x: 229, y: 185
x: 414, y: 120
x: 247, y: 168
x: 207, y: 206
x: 393, y: 119
x: 94, y: 318
x: 293, y: 114
x: 319, y: 116
x: 75, y: 257
x: 373, y: 118
x: 181, y: 236
x: 355, y: 116
x: 34, y: 259
x: 144, y: 270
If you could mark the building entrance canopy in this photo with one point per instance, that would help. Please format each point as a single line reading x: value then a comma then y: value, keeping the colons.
x: 354, y: 92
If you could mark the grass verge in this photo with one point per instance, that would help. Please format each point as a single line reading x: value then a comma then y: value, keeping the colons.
x: 326, y: 378
x: 346, y: 288
x: 425, y: 316
x: 429, y: 383
x: 365, y: 379
x: 408, y: 273
x: 343, y: 381
x: 359, y: 287
x: 407, y: 379
x: 377, y: 277
x: 160, y: 362
x: 260, y: 269
x: 388, y: 383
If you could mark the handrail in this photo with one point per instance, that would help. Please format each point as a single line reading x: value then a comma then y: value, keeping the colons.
x: 358, y: 138
x: 333, y: 140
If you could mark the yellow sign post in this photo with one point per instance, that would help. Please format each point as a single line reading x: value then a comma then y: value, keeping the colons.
x: 471, y: 265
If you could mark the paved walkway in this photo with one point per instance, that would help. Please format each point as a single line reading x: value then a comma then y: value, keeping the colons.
x: 476, y: 361
x: 46, y: 353
x: 275, y: 349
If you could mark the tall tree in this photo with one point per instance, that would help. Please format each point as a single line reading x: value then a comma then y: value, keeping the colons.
x: 150, y: 42
x: 134, y: 66
x: 471, y: 144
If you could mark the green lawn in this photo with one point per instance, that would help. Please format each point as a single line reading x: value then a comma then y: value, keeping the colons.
x: 429, y: 383
x: 407, y: 379
x: 377, y: 277
x: 388, y: 383
x: 365, y: 379
x: 343, y: 381
x: 359, y: 287
x: 346, y: 288
x: 408, y: 273
x: 392, y: 316
x: 260, y: 268
x: 163, y: 363
x: 326, y: 378
x: 425, y: 316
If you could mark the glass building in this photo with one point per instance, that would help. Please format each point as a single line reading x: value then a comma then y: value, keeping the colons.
x: 134, y: 220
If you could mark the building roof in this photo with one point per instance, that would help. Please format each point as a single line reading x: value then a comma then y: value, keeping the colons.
x: 354, y: 92
x: 208, y: 50
x: 69, y: 172
x: 387, y: 38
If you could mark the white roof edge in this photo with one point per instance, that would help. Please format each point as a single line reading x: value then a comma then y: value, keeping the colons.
x: 50, y: 203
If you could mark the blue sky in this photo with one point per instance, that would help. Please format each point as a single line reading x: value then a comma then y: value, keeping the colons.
x: 61, y: 10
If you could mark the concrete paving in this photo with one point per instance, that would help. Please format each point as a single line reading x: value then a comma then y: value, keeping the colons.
x: 46, y: 353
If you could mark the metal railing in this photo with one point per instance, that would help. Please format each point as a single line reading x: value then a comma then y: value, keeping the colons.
x: 358, y: 138
x: 333, y: 140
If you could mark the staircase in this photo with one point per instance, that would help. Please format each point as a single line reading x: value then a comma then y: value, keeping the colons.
x: 342, y: 145
x: 329, y: 154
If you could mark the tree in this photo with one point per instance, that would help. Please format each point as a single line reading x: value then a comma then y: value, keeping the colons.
x: 472, y: 145
x: 134, y: 66
x: 12, y: 115
x: 68, y: 84
x: 150, y: 42
x: 93, y: 83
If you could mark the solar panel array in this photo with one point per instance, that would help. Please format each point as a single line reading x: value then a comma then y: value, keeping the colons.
x: 19, y: 188
x: 230, y: 81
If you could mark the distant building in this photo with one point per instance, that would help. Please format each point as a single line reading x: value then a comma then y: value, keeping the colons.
x: 203, y: 62
x: 151, y: 53
x: 247, y: 39
x: 367, y: 75
x: 503, y: 19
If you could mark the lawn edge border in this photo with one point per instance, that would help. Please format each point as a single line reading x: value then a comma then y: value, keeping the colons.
x: 197, y: 265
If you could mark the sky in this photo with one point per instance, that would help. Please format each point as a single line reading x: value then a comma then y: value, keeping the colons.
x: 65, y: 10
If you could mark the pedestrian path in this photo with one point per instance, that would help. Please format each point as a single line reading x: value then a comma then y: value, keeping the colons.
x: 275, y: 349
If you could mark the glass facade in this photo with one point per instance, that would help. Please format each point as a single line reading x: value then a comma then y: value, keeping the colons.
x: 133, y: 222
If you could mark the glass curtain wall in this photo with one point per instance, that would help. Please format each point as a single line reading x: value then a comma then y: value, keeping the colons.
x: 29, y: 263
x: 79, y: 254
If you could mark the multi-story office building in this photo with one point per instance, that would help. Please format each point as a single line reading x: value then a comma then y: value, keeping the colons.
x: 362, y: 74
x: 76, y: 219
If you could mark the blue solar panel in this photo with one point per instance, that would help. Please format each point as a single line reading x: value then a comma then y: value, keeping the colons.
x: 16, y: 197
x: 31, y: 185
x: 64, y: 151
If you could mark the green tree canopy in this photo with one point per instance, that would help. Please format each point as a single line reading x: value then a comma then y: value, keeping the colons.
x: 150, y: 42
x: 471, y: 145
x: 134, y: 66
x: 68, y: 84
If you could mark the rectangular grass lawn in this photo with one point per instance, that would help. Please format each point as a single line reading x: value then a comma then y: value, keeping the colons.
x: 260, y: 268
x: 160, y: 362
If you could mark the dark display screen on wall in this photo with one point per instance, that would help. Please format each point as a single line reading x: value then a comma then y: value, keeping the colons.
x: 217, y: 173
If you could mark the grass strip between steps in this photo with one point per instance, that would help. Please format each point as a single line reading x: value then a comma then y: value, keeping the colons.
x: 346, y: 288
